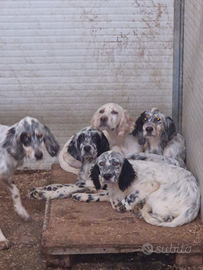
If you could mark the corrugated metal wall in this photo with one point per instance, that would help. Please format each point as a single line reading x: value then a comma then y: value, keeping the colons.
x: 193, y: 87
x: 61, y: 60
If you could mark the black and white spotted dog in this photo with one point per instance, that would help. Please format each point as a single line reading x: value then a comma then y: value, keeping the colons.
x: 170, y: 194
x: 25, y: 138
x: 158, y: 135
x: 85, y: 146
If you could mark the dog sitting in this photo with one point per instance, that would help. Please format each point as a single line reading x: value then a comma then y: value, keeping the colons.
x: 116, y: 125
x: 170, y: 194
x: 25, y: 138
x: 85, y: 146
x: 157, y: 133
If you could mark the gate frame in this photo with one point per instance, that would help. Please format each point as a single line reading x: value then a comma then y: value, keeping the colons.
x: 178, y: 48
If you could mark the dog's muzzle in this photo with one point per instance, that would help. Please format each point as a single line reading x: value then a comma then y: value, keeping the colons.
x: 38, y: 155
x: 87, y: 148
x: 149, y: 130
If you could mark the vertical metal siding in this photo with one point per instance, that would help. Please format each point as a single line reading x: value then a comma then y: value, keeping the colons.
x: 193, y: 87
x: 61, y: 60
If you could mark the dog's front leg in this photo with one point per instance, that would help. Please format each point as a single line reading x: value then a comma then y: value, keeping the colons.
x: 19, y: 209
x: 94, y: 197
x: 4, y: 243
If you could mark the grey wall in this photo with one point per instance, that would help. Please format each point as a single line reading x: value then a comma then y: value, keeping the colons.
x: 61, y: 60
x: 193, y: 87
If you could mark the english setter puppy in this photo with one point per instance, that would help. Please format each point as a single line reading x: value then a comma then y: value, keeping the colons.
x: 85, y: 146
x: 117, y: 126
x: 25, y: 138
x: 170, y: 194
x: 157, y: 133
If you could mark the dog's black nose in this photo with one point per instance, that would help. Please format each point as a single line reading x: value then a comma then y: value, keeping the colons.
x: 149, y: 129
x: 103, y: 119
x: 87, y: 148
x: 107, y: 176
x: 38, y: 155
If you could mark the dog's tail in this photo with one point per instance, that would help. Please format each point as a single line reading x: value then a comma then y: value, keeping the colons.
x: 185, y: 217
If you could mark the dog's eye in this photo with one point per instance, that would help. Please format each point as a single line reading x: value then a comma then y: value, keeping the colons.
x: 116, y: 163
x: 25, y: 138
x: 102, y: 111
x: 101, y: 163
x: 157, y: 119
x: 81, y: 137
x: 114, y: 112
x: 94, y: 137
x: 39, y: 136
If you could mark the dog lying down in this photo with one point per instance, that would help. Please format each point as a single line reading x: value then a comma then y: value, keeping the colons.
x: 170, y: 194
x: 85, y: 146
x: 157, y: 133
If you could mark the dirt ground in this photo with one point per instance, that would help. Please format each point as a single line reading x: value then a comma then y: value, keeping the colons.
x: 24, y: 237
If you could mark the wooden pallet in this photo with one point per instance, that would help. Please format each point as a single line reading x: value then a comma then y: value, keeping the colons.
x: 72, y: 228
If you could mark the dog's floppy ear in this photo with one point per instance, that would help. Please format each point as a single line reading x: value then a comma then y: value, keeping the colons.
x: 8, y: 142
x: 94, y: 175
x: 138, y: 130
x: 95, y: 120
x: 103, y: 145
x: 171, y: 128
x: 125, y: 124
x: 169, y: 131
x: 50, y: 142
x: 73, y: 149
x: 11, y: 144
x: 127, y: 175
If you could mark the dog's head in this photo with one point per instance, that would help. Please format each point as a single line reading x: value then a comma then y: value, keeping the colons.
x: 112, y: 168
x: 27, y: 137
x: 88, y: 143
x: 154, y: 123
x: 112, y: 116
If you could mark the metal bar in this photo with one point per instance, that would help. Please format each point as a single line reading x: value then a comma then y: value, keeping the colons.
x: 178, y: 63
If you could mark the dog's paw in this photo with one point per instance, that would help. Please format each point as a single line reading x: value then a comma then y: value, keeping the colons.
x: 4, y: 244
x: 36, y: 193
x: 128, y: 207
x: 138, y: 214
x: 118, y: 206
x: 22, y: 212
x: 76, y: 197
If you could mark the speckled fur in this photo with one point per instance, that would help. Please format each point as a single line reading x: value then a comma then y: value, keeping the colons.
x: 170, y: 194
x: 157, y: 133
x: 24, y: 139
x: 85, y: 146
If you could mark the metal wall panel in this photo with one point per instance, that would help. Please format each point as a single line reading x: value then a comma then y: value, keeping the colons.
x: 61, y: 60
x: 193, y: 87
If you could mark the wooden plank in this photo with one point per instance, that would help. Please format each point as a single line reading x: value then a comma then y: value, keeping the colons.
x: 72, y: 228
x: 90, y: 228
